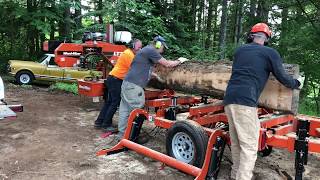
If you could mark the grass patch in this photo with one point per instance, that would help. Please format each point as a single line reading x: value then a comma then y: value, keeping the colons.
x: 307, y: 106
x: 26, y: 86
x: 7, y: 78
x: 73, y: 88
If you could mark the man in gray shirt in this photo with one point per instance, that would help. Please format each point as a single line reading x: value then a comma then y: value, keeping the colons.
x: 132, y: 92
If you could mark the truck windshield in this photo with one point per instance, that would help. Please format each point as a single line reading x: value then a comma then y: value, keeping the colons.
x: 42, y: 58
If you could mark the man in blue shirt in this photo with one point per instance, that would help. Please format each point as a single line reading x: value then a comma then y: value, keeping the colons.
x: 253, y: 62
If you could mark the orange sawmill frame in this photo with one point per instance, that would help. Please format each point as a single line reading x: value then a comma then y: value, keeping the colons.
x: 273, y: 133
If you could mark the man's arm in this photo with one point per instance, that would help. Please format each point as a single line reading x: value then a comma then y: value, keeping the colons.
x: 279, y: 72
x: 168, y: 63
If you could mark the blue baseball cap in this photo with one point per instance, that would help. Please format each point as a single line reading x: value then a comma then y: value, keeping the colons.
x: 162, y: 40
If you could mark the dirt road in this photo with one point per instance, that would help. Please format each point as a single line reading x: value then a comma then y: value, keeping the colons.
x: 54, y: 139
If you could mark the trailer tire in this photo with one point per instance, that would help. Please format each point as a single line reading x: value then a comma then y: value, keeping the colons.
x: 24, y: 77
x: 187, y: 141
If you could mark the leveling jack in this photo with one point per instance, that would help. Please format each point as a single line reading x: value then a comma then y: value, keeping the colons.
x: 301, y: 147
x: 211, y: 164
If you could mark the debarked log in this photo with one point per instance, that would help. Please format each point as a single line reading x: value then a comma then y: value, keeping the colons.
x: 211, y: 78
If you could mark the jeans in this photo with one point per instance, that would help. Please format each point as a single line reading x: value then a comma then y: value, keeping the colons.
x: 132, y: 97
x: 111, y: 104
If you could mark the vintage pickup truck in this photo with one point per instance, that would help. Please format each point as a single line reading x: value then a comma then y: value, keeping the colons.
x: 25, y: 72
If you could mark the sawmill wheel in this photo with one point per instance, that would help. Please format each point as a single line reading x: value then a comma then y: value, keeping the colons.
x: 187, y: 142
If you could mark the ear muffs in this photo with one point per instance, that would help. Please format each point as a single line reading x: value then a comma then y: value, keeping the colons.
x: 249, y: 38
x: 158, y: 45
x: 266, y: 42
x: 131, y: 44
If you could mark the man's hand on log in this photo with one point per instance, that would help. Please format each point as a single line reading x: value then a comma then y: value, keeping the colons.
x: 182, y: 59
x: 301, y: 81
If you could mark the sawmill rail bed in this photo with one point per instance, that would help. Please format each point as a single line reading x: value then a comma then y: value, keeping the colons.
x: 195, y: 143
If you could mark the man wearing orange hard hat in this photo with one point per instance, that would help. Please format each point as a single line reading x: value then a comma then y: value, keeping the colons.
x: 252, y: 64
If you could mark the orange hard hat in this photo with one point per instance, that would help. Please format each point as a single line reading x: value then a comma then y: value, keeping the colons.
x: 261, y: 27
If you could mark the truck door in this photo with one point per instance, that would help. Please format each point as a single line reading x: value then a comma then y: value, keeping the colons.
x: 53, y: 72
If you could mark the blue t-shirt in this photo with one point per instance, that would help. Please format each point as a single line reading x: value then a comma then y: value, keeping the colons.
x: 251, y: 67
x: 142, y: 66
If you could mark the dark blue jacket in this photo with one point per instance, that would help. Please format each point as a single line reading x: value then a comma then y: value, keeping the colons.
x: 251, y: 67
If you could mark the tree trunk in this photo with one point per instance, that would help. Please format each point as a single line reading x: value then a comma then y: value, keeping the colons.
x: 200, y: 11
x: 100, y: 7
x: 122, y: 11
x: 211, y: 78
x: 77, y: 13
x: 194, y: 15
x: 215, y: 25
x: 30, y: 31
x: 42, y: 39
x: 238, y: 21
x: 52, y: 30
x: 37, y: 42
x: 253, y: 8
x: 284, y: 26
x: 263, y: 11
x: 52, y: 23
x: 64, y: 25
x: 223, y: 29
x: 78, y: 18
x: 209, y: 25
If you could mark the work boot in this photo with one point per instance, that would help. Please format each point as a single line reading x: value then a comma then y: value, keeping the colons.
x: 142, y: 139
x: 110, y: 129
x: 257, y: 176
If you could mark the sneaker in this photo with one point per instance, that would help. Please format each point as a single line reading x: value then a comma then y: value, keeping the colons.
x: 110, y: 129
x: 118, y: 137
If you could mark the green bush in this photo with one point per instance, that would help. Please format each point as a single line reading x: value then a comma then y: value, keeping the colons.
x: 308, y: 106
x: 73, y: 88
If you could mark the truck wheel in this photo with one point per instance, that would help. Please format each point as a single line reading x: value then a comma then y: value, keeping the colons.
x: 187, y: 142
x: 24, y: 77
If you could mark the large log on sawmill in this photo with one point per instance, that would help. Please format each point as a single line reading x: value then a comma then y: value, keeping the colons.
x: 211, y: 78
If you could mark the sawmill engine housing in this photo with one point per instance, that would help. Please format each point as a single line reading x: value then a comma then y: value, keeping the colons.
x: 108, y: 45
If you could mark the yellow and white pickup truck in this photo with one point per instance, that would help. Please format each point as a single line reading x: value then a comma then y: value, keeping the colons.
x: 25, y: 72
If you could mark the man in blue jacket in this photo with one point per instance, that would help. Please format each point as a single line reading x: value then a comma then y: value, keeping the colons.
x: 253, y: 62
